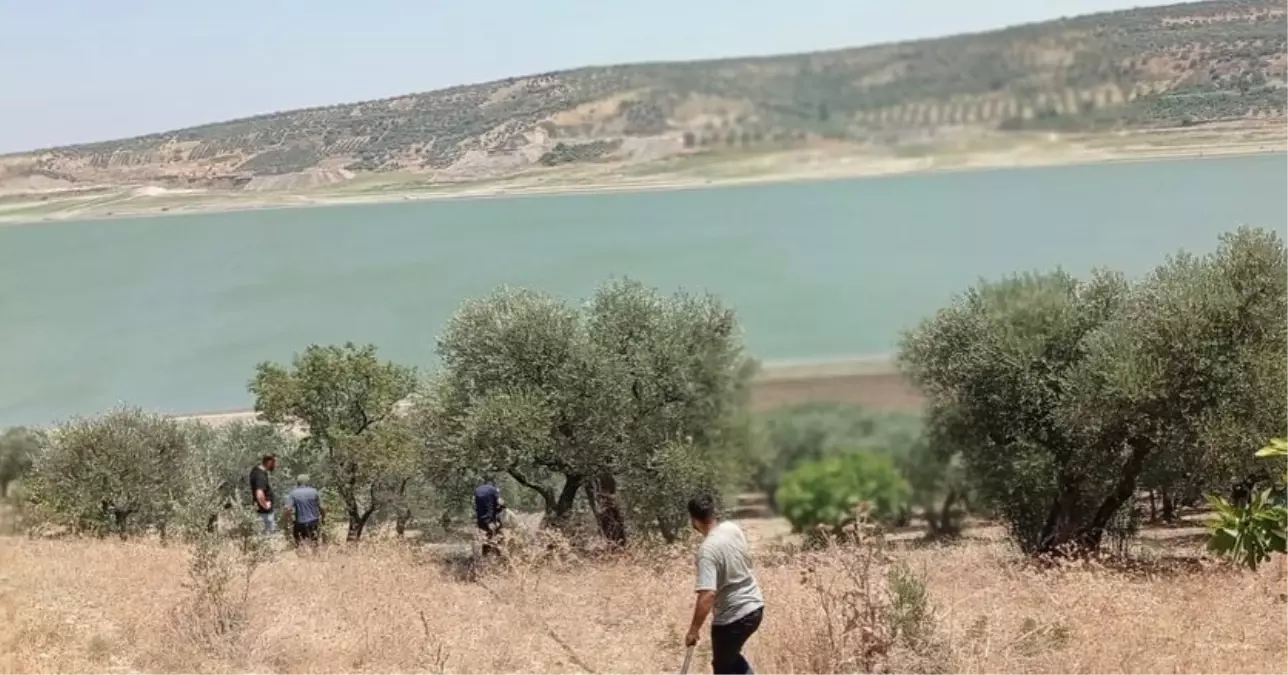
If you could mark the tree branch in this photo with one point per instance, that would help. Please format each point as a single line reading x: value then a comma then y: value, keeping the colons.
x: 547, y: 494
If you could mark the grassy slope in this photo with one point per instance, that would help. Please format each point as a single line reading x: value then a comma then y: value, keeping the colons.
x: 1165, y: 66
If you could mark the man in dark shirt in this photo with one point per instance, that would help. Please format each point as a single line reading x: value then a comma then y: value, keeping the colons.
x: 261, y: 492
x: 304, y: 508
x: 487, y: 510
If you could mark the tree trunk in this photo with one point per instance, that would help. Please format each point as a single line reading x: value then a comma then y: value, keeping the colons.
x: 1169, y: 507
x: 357, y: 516
x: 121, y: 517
x: 560, y: 507
x: 942, y: 525
x: 556, y: 507
x: 1056, y: 532
x: 668, y: 530
x: 602, y: 495
x: 1088, y: 539
x: 404, y: 511
x: 357, y: 523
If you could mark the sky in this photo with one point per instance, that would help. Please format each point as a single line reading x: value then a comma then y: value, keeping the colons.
x: 74, y: 71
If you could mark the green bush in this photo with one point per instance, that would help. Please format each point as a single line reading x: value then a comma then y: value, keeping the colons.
x: 1064, y: 396
x: 1249, y: 533
x: 809, y: 432
x: 826, y: 492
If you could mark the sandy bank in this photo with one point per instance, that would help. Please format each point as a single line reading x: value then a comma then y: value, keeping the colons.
x: 694, y: 172
x: 868, y: 381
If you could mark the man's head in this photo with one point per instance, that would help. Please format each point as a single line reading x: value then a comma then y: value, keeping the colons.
x: 302, y: 479
x: 702, y: 512
x: 269, y: 462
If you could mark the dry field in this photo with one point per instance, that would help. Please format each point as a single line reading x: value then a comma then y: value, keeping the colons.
x: 108, y: 606
x: 887, y: 390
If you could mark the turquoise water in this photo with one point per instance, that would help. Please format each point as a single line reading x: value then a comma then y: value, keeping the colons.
x: 172, y: 313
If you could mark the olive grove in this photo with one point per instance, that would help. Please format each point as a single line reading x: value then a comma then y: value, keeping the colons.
x: 1064, y: 394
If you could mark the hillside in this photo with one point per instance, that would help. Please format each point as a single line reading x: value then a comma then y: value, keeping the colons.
x: 1156, y: 67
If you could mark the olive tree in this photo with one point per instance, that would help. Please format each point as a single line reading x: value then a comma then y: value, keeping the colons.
x: 18, y: 448
x: 1063, y: 393
x: 933, y: 468
x: 216, y: 477
x: 630, y: 391
x: 121, y: 472
x: 347, y: 402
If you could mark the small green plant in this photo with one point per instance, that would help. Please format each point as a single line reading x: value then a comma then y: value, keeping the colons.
x: 1249, y: 533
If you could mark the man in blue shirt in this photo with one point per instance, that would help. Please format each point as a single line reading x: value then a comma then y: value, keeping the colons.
x: 487, y: 511
x: 304, y: 508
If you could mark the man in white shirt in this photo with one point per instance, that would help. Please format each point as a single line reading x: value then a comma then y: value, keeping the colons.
x: 726, y: 589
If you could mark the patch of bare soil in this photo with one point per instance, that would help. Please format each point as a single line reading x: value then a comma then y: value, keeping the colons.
x: 882, y: 391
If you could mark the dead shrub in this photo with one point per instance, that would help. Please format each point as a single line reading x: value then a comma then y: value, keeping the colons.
x: 875, y: 613
x: 220, y: 574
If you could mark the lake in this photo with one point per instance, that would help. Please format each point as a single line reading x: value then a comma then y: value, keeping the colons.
x: 172, y: 313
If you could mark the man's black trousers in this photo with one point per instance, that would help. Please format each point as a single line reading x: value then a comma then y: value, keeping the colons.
x: 727, y: 641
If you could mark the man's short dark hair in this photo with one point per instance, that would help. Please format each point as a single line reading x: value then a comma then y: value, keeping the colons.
x: 702, y: 507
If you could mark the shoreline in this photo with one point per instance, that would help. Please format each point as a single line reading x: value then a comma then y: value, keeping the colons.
x: 816, y: 168
x: 774, y: 384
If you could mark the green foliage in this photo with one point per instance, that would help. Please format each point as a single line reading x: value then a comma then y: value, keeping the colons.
x: 632, y: 391
x: 565, y: 153
x: 1062, y: 393
x: 933, y: 468
x: 826, y: 492
x: 812, y: 431
x: 121, y: 472
x: 346, y: 399
x: 1248, y: 533
x: 18, y: 447
x: 217, y: 472
x: 808, y: 432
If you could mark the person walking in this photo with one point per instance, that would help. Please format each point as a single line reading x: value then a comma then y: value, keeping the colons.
x: 304, y: 509
x: 487, y: 512
x: 726, y: 588
x: 261, y: 492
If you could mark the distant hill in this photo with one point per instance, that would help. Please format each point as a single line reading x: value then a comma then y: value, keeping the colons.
x: 1165, y: 66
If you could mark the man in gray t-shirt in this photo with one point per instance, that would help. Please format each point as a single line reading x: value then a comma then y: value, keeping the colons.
x: 726, y: 589
x: 304, y: 507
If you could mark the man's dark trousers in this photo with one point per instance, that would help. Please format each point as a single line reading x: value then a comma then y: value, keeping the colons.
x: 727, y: 641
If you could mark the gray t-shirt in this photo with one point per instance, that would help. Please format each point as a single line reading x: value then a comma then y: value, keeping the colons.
x: 724, y: 566
x: 307, y: 504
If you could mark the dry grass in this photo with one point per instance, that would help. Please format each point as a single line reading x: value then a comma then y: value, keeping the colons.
x: 104, y: 606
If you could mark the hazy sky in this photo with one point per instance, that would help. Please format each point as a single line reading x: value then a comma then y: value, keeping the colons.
x: 85, y: 70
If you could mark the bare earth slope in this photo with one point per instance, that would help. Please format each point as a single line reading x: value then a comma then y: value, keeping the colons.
x: 1179, y: 65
